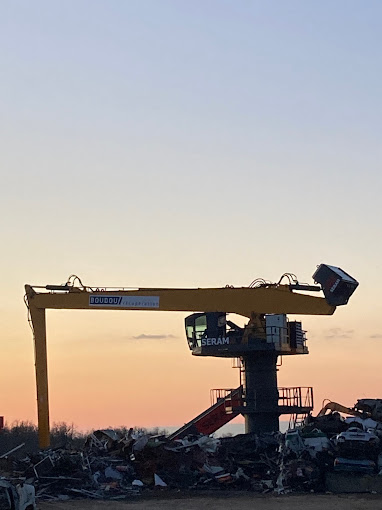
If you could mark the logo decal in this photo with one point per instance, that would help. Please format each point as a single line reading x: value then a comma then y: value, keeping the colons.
x: 124, y: 301
x: 215, y: 341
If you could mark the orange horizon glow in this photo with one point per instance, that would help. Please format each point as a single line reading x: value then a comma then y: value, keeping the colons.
x: 101, y: 376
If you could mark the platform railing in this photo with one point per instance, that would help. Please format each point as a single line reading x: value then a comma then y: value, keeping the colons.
x: 293, y: 397
x: 298, y: 396
x: 232, y: 397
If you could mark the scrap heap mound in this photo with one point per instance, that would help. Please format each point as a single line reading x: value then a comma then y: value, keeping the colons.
x: 115, y: 465
x: 112, y: 465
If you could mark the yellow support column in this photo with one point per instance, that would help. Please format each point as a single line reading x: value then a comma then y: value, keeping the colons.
x: 41, y: 364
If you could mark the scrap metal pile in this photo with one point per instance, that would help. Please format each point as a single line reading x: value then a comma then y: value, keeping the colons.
x: 112, y: 465
x: 115, y: 465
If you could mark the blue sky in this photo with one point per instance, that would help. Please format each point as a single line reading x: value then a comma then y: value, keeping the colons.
x: 199, y: 143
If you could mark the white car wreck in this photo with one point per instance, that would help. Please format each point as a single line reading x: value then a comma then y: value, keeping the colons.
x: 16, y: 497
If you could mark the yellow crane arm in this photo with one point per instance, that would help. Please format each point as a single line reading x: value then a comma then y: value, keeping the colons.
x: 241, y: 300
x: 335, y: 406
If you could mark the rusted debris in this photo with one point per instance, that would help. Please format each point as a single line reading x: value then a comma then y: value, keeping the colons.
x: 115, y: 465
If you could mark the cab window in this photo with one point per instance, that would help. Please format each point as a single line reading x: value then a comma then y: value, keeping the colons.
x: 200, y: 326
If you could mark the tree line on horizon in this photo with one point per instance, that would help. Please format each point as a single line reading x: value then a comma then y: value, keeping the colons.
x: 63, y: 435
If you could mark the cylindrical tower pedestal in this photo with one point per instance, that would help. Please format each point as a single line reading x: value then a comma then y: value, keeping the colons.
x: 260, y: 392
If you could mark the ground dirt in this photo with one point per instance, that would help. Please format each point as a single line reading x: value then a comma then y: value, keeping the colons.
x: 228, y: 501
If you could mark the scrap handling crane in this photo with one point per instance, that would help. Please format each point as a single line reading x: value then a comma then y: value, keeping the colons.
x: 267, y: 335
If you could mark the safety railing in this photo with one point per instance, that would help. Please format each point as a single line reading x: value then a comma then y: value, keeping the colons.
x: 297, y: 396
x: 230, y: 397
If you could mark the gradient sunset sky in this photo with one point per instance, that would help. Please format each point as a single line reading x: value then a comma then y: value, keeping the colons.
x: 184, y: 143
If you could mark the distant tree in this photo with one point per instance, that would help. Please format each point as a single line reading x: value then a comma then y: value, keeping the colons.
x: 63, y: 435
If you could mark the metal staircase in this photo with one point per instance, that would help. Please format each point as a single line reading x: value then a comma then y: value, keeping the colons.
x: 226, y: 404
x: 209, y: 421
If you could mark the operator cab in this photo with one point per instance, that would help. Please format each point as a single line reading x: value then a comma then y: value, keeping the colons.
x: 205, y: 325
x: 210, y: 329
